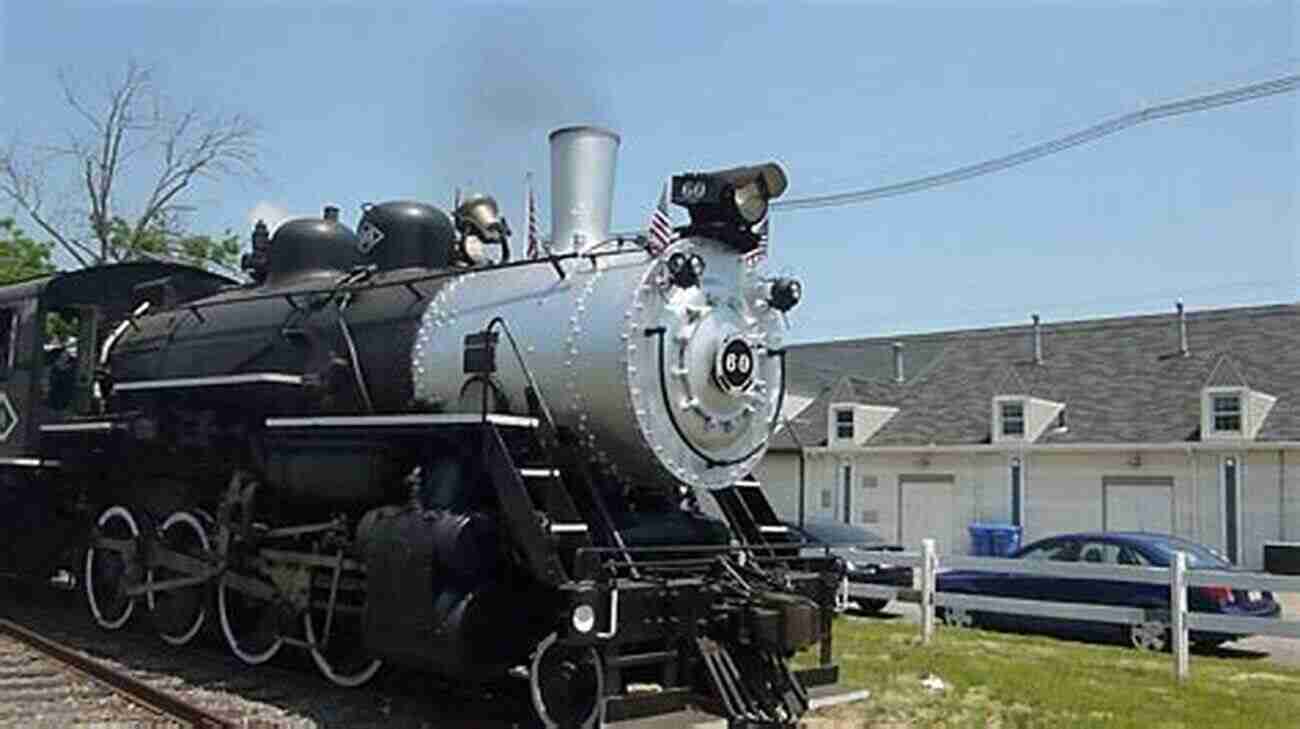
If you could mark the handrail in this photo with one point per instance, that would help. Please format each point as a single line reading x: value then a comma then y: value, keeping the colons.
x: 523, y: 365
x: 553, y: 260
x: 551, y: 431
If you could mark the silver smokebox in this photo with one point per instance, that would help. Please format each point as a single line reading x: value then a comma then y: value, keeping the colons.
x: 583, y: 159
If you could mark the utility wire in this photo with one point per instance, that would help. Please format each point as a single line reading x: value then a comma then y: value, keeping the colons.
x: 1282, y: 85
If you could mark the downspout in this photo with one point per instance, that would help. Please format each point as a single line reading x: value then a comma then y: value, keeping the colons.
x: 1196, y: 493
x: 1281, y: 494
x: 803, y: 496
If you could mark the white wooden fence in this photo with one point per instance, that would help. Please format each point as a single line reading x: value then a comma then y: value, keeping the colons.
x: 1179, y: 619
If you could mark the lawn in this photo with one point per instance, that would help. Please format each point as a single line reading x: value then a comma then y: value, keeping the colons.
x: 998, y: 680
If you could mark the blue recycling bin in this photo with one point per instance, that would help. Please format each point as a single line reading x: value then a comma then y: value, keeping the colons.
x: 1006, y: 539
x: 981, y: 541
x: 994, y: 540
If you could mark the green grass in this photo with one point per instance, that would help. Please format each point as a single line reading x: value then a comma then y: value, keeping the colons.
x: 998, y: 680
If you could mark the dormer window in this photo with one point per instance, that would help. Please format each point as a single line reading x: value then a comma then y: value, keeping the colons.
x: 1234, y: 412
x: 844, y: 423
x: 1226, y: 414
x: 1024, y: 419
x: 1013, y: 418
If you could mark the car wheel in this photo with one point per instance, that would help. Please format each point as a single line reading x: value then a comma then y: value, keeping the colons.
x: 1151, y: 635
x: 871, y: 606
x: 957, y: 617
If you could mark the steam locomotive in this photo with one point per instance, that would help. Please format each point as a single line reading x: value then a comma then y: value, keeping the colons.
x: 393, y: 447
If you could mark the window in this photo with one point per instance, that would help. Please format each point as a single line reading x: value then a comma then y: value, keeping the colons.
x: 8, y: 341
x: 1131, y: 557
x: 1053, y: 552
x: 826, y: 498
x: 1099, y: 553
x: 844, y: 423
x: 1013, y: 418
x: 1226, y: 413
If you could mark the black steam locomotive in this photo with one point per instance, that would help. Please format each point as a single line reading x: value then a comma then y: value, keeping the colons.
x: 393, y: 446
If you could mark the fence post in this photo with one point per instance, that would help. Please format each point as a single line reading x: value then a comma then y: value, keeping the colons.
x: 927, y: 589
x: 1178, y: 613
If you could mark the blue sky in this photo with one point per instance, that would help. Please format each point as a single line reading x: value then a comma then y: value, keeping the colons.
x: 372, y: 101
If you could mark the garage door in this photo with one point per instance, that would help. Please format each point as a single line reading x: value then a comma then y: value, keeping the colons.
x: 1138, y: 505
x: 926, y: 510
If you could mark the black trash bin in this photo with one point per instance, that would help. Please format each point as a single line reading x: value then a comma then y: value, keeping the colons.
x: 1282, y: 558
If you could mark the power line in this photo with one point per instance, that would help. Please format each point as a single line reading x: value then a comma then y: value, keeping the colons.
x: 1284, y: 84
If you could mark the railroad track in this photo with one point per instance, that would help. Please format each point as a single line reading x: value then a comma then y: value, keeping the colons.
x: 46, y: 683
x: 289, y: 695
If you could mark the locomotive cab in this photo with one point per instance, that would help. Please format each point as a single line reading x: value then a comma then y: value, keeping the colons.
x: 51, y: 333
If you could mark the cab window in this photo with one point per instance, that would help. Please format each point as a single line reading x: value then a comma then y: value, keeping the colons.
x: 8, y: 341
x: 59, y: 378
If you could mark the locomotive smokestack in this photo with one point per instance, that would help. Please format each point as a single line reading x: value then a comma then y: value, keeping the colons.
x: 332, y: 213
x: 583, y: 159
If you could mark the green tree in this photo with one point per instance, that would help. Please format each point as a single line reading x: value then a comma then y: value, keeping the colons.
x: 196, y: 249
x: 21, y: 257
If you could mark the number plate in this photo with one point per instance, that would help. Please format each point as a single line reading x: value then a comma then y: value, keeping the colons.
x: 1254, y: 596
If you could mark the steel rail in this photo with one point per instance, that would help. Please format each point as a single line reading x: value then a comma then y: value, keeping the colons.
x: 129, y: 688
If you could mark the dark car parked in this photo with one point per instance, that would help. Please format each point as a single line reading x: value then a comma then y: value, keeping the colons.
x: 1115, y: 548
x: 852, y: 544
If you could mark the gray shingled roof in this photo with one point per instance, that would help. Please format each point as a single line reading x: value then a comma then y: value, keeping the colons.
x: 1122, y: 379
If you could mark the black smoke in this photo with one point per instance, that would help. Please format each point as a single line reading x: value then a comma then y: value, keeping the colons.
x: 514, y: 77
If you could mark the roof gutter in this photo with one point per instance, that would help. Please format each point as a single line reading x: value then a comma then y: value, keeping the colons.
x: 1178, y: 446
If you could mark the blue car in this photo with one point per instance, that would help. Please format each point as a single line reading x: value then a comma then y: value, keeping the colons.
x: 1116, y: 548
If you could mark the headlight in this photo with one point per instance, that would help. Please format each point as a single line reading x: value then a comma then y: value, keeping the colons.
x: 729, y: 203
x: 584, y: 618
x: 750, y: 202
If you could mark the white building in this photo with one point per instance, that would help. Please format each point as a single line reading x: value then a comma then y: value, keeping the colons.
x: 1187, y: 424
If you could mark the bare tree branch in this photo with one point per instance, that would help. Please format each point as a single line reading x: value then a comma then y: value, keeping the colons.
x: 222, y: 147
x: 130, y: 121
x: 22, y: 184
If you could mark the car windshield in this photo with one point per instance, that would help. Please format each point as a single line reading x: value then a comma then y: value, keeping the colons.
x: 831, y: 533
x: 1198, y: 555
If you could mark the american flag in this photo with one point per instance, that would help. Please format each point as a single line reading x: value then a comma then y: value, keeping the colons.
x: 534, y: 247
x: 759, y: 254
x: 661, y: 225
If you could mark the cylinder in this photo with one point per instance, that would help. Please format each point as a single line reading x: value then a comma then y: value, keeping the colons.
x: 583, y: 161
x: 465, y: 546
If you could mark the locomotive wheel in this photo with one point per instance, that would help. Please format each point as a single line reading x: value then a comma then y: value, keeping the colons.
x: 343, y: 660
x: 179, y: 614
x: 251, y: 626
x: 566, y: 684
x: 107, y: 570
